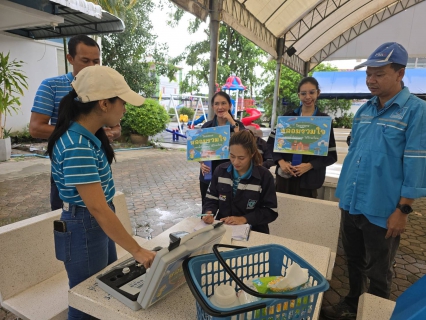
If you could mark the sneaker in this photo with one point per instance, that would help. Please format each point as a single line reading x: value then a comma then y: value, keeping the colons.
x: 341, y: 311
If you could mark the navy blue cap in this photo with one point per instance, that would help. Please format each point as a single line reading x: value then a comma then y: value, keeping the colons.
x: 387, y: 53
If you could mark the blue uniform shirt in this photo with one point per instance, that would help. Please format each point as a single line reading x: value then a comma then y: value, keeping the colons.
x: 386, y: 158
x: 49, y: 95
x: 236, y: 178
x: 78, y: 158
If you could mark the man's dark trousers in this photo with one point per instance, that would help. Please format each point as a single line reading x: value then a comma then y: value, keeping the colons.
x: 368, y: 254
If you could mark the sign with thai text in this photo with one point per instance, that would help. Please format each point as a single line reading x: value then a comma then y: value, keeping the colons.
x: 208, y: 143
x: 303, y: 135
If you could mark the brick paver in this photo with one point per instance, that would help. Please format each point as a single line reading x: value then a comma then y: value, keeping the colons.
x: 162, y: 188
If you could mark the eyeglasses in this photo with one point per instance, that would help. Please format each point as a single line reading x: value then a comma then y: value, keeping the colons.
x: 311, y: 92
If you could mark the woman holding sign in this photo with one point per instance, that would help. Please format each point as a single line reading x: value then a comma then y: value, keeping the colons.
x: 297, y: 174
x: 222, y: 106
x: 242, y: 190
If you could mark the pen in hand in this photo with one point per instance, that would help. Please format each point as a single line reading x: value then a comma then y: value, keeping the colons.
x: 208, y: 217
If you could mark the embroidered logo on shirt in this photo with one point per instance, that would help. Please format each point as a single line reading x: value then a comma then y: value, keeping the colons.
x: 222, y: 197
x: 399, y: 114
x: 251, y: 204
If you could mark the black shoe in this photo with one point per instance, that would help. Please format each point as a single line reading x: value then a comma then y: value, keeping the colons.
x: 341, y: 311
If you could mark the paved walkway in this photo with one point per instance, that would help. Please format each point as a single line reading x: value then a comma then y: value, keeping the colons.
x: 161, y: 189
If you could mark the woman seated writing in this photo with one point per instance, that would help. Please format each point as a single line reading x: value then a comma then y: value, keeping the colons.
x: 242, y: 190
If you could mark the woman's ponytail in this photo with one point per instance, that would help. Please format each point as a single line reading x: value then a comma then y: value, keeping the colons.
x: 67, y: 112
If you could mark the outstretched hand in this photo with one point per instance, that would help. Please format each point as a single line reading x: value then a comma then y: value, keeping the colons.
x: 144, y: 256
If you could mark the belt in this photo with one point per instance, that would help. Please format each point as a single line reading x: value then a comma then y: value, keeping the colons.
x: 66, y: 206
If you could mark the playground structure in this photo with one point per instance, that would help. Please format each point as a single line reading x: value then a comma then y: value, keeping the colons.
x: 233, y: 83
x: 173, y: 103
x: 254, y: 115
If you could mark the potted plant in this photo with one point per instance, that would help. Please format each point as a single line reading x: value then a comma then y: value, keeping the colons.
x: 144, y: 121
x: 12, y: 85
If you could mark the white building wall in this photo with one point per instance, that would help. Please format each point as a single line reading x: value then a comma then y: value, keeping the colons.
x: 41, y: 62
x: 167, y: 88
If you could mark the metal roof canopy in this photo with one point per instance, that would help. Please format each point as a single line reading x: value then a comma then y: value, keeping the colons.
x: 299, y: 34
x: 68, y: 18
x: 312, y: 29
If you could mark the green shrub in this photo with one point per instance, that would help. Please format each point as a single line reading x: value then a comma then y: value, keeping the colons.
x: 172, y: 111
x: 188, y: 111
x: 147, y: 120
x: 345, y: 121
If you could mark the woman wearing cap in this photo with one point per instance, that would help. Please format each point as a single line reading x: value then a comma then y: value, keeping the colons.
x: 222, y: 106
x: 81, y: 157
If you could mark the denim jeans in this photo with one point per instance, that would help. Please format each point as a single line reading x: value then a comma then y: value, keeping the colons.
x: 84, y: 248
x: 369, y: 255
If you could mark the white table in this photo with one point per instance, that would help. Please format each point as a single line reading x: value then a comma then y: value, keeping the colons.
x: 180, y: 304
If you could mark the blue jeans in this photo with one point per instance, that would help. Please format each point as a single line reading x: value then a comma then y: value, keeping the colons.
x: 84, y: 248
x: 369, y: 255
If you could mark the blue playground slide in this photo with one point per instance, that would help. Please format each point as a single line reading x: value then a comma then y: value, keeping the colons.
x: 197, y: 121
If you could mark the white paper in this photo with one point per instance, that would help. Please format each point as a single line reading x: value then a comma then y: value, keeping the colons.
x: 239, y: 232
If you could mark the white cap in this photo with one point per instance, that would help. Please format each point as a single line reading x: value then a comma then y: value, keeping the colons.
x: 96, y: 83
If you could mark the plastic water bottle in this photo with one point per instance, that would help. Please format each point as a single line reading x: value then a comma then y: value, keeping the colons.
x: 208, y: 176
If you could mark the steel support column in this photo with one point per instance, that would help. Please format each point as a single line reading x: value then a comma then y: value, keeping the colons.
x: 214, y: 47
x: 280, y: 49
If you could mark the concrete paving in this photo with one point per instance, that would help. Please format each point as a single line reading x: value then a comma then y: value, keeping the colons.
x: 162, y: 188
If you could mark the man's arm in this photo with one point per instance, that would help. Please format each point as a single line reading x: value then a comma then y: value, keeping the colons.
x: 39, y: 126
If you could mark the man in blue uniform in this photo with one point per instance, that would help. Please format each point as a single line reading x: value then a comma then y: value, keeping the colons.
x: 381, y: 176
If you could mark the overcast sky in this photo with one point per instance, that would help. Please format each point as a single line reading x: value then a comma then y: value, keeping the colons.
x: 177, y: 38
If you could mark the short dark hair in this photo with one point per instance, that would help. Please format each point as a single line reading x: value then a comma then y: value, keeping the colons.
x: 81, y: 38
x: 310, y: 80
x: 396, y: 66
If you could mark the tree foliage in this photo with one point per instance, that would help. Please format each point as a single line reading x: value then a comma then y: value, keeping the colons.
x: 289, y: 82
x: 236, y: 55
x: 116, y: 7
x: 13, y: 81
x: 134, y: 53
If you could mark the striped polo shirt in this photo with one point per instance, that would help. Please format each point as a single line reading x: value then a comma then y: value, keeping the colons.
x: 78, y: 158
x: 49, y: 95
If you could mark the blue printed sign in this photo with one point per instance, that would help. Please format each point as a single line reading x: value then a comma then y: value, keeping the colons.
x: 208, y: 143
x: 303, y: 135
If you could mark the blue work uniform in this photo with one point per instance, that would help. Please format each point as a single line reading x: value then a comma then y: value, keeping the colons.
x: 255, y: 197
x: 386, y: 158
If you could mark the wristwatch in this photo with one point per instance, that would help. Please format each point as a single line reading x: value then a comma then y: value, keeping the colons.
x: 236, y: 125
x: 405, y: 208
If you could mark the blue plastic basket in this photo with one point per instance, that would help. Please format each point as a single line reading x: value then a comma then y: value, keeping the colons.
x: 204, y: 273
